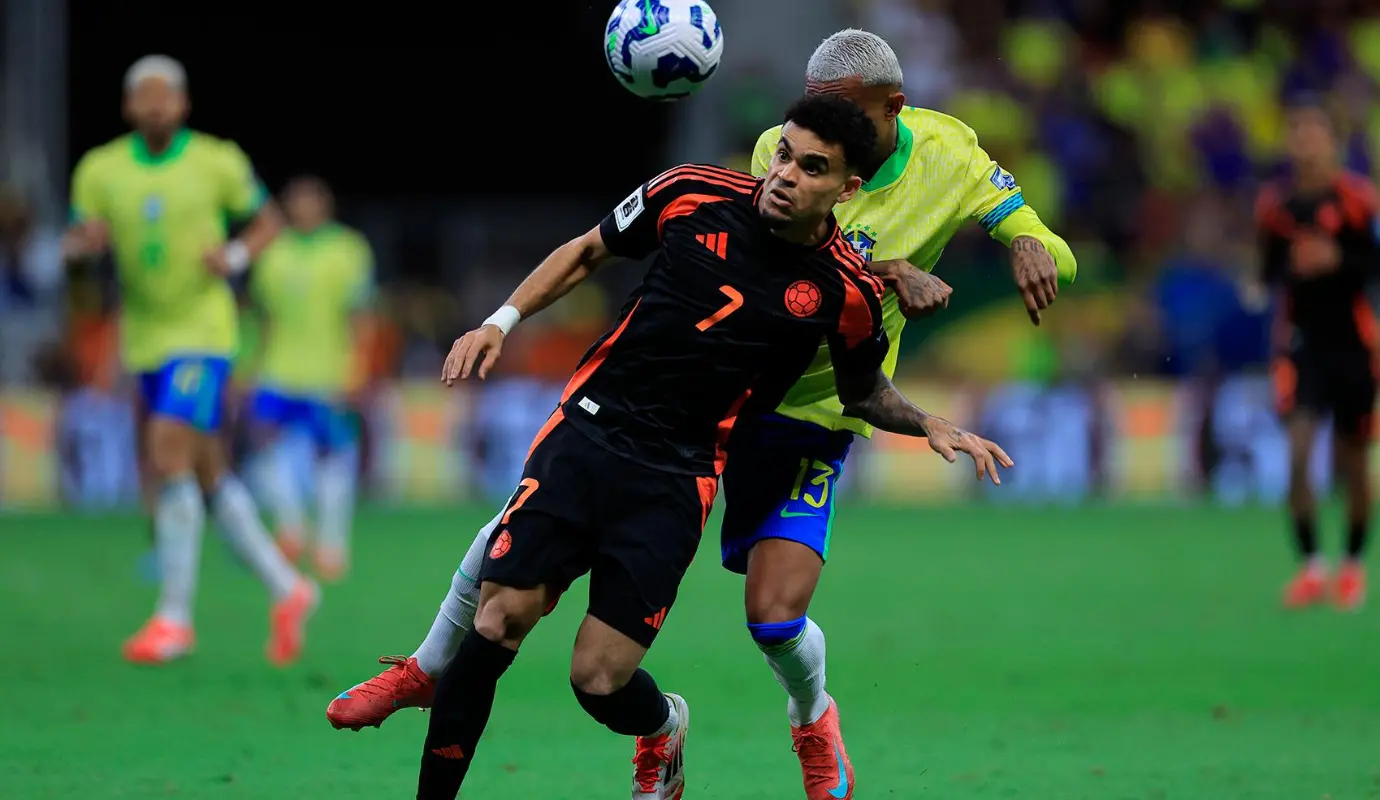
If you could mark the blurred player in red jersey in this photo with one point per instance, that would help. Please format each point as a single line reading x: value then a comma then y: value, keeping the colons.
x: 749, y: 276
x: 1318, y: 233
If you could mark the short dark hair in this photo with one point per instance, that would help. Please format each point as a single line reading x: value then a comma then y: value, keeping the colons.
x: 837, y: 121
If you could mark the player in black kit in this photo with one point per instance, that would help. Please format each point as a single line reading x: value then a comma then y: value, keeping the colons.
x: 749, y: 276
x: 1318, y: 231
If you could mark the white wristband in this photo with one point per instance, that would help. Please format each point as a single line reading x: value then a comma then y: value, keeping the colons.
x: 505, y: 319
x: 237, y: 256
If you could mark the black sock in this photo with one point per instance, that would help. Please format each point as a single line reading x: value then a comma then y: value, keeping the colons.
x: 1357, y: 533
x: 1305, y: 537
x: 637, y: 709
x: 459, y: 714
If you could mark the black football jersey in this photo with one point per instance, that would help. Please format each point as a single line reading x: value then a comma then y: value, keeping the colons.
x: 728, y: 312
x: 1328, y: 311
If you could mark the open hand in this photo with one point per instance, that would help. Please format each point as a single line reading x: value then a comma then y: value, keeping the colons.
x: 948, y: 440
x: 480, y: 346
x: 1036, y: 275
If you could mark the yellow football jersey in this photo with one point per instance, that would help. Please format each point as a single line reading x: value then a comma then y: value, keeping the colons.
x: 937, y: 180
x: 308, y: 287
x: 165, y: 212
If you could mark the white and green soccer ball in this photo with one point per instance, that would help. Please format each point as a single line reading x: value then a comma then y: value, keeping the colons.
x: 663, y: 49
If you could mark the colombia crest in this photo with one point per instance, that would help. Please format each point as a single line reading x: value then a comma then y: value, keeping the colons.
x: 802, y: 298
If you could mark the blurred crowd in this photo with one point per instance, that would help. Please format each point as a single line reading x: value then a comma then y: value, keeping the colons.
x: 1139, y: 129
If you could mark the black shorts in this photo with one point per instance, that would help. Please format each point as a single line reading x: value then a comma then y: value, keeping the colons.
x: 1341, y: 384
x: 580, y: 508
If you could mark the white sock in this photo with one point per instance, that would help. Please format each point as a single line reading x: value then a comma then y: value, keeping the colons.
x: 672, y: 720
x: 799, y: 668
x: 178, y: 517
x: 238, y: 516
x: 281, y: 489
x: 335, y: 500
x: 456, y: 616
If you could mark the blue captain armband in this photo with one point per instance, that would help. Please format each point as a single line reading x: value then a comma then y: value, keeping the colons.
x: 996, y: 216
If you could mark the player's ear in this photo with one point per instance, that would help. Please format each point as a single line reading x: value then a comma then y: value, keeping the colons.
x: 894, y: 103
x: 850, y: 187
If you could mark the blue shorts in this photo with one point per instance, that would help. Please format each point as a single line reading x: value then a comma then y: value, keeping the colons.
x: 779, y: 484
x: 190, y: 389
x: 324, y: 420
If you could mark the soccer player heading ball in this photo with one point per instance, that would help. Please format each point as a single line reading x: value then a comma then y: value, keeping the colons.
x: 750, y: 275
x: 926, y: 177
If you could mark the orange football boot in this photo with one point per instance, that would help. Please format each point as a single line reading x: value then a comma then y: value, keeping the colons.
x: 368, y: 704
x: 159, y: 642
x: 659, y: 763
x: 1308, y: 587
x: 824, y: 761
x: 1349, y: 591
x: 287, y: 622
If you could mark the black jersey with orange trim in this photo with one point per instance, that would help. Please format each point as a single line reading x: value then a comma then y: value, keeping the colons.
x: 1322, y: 308
x: 727, y: 311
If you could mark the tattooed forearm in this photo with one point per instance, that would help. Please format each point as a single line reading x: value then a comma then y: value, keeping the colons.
x: 1025, y: 244
x: 888, y: 409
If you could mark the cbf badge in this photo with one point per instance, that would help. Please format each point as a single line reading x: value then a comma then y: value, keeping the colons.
x: 153, y: 208
x: 863, y: 240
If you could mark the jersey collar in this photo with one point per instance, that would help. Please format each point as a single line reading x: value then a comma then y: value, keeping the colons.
x: 892, y: 169
x: 175, y: 148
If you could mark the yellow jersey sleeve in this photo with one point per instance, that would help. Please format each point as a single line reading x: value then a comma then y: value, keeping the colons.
x: 994, y: 200
x: 242, y: 193
x: 762, y: 153
x: 87, y: 197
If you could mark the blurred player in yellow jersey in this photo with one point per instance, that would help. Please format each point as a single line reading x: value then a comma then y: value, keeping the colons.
x: 159, y: 199
x: 929, y: 179
x: 309, y: 284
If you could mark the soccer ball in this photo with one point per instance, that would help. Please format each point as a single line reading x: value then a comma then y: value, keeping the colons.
x: 663, y: 49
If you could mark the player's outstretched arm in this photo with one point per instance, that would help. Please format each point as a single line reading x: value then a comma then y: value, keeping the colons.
x: 567, y: 267
x: 873, y: 398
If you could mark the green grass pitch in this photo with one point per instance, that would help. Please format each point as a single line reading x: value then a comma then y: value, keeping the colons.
x: 1108, y: 653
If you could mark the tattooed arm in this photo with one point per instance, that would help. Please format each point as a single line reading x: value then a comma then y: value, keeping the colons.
x: 874, y: 399
x: 1036, y: 274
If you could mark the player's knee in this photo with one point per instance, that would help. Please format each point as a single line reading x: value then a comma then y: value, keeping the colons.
x: 775, y: 605
x: 598, y: 672
x: 508, y: 615
x: 170, y: 450
x: 774, y: 635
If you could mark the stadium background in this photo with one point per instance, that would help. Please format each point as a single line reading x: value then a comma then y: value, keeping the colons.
x: 1124, y: 645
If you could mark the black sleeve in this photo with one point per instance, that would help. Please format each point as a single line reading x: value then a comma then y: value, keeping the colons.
x: 631, y: 229
x: 1270, y: 219
x: 1274, y: 258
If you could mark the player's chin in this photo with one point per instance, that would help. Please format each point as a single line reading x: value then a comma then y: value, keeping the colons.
x: 774, y: 218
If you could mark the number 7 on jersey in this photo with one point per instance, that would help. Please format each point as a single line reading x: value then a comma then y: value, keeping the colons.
x: 735, y: 302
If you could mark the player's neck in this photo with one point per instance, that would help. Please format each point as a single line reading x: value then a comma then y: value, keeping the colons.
x: 808, y: 234
x: 1313, y: 179
x: 887, y: 142
x: 158, y: 143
